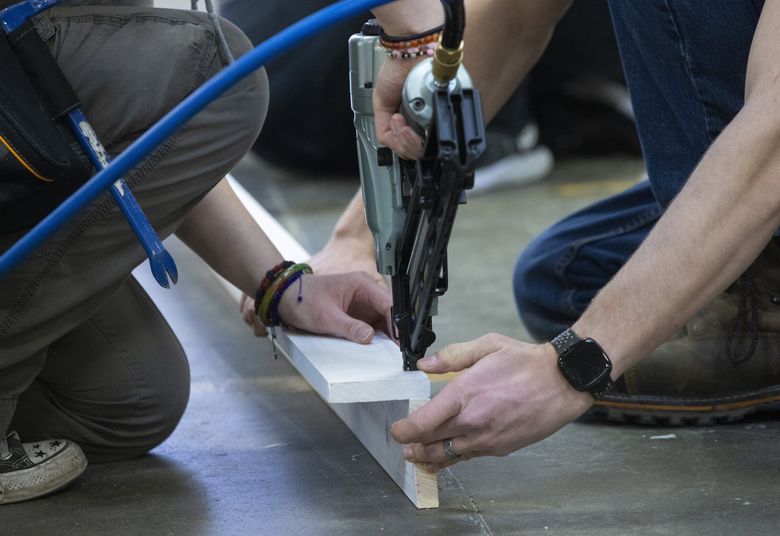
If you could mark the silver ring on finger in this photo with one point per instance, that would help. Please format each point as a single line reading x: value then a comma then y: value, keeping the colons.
x: 449, y: 450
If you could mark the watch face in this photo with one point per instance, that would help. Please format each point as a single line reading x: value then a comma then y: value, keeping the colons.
x: 585, y: 365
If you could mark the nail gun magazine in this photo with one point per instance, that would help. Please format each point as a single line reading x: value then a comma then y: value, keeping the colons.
x: 411, y: 205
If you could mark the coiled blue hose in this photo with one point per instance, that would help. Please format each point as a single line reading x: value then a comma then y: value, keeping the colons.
x: 168, y: 125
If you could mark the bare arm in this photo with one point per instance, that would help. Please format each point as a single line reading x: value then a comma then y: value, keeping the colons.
x: 351, y: 245
x: 407, y: 17
x: 504, y: 39
x: 221, y: 231
x: 712, y: 231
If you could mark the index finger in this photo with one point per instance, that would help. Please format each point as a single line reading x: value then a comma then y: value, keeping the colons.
x: 380, y: 301
x: 378, y: 297
x: 422, y: 425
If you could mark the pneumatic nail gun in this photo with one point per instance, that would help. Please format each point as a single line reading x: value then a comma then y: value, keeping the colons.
x: 411, y: 205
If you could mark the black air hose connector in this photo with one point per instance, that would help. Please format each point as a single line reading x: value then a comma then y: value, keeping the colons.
x: 454, y: 23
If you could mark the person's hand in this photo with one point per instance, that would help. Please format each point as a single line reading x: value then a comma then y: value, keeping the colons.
x: 247, y: 307
x: 349, y: 305
x: 511, y: 396
x: 391, y: 127
x: 347, y: 254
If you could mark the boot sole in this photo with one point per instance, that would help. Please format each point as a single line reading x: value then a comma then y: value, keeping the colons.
x: 44, y: 478
x: 671, y: 411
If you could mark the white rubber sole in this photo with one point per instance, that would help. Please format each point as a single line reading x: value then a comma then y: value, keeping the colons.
x: 44, y: 478
x: 514, y: 170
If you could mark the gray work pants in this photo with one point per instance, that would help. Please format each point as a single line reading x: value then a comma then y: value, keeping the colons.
x: 84, y: 354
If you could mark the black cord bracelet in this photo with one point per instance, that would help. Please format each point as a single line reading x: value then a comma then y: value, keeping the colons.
x: 400, y: 39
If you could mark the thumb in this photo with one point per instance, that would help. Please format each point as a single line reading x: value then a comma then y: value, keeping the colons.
x: 250, y: 318
x: 456, y: 357
x: 343, y: 325
x: 384, y: 133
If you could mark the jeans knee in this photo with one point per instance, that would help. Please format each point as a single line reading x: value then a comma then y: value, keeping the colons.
x: 539, y: 290
x: 528, y: 292
x: 520, y: 282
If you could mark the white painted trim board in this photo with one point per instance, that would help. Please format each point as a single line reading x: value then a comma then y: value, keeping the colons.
x: 364, y: 385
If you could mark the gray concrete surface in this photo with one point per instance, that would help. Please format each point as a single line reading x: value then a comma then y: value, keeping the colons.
x: 258, y: 453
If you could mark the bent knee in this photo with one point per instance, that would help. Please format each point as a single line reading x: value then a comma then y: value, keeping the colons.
x: 539, y: 294
x: 157, y: 413
x: 150, y: 391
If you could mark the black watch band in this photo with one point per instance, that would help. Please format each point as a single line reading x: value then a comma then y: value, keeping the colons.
x: 598, y: 394
x: 579, y: 360
x: 564, y: 341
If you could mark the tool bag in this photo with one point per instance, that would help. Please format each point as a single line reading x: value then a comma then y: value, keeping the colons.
x: 40, y: 164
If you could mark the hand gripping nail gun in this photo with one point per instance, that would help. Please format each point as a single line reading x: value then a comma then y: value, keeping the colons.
x: 411, y: 205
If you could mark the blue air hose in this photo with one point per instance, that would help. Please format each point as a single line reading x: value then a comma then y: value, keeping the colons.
x: 168, y: 125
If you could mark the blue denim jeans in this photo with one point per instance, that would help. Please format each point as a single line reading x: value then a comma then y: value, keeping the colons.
x: 685, y: 64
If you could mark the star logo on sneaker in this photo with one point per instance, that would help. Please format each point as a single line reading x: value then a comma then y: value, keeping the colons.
x: 32, y: 470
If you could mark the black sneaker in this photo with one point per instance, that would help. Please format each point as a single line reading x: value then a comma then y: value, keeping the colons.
x: 32, y: 470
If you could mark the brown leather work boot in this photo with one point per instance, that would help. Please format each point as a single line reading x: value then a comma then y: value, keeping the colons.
x: 724, y: 364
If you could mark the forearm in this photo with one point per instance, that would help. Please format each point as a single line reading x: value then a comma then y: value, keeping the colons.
x: 407, y: 17
x: 352, y: 226
x: 709, y: 235
x: 712, y: 231
x: 221, y: 231
x: 504, y: 38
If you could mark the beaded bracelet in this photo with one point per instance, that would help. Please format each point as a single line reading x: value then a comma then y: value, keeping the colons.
x: 411, y: 46
x: 413, y: 52
x: 391, y: 40
x: 270, y: 275
x: 400, y: 45
x: 266, y: 312
x: 275, y: 319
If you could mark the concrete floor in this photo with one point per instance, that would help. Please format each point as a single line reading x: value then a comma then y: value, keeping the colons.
x: 258, y: 453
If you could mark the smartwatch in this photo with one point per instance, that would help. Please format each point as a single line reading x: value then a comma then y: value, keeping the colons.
x: 583, y: 363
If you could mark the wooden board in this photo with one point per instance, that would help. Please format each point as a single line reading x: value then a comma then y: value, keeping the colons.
x: 343, y: 372
x: 370, y: 422
x: 340, y: 371
x: 363, y: 384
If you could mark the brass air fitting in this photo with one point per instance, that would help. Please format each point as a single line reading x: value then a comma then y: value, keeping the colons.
x: 446, y: 62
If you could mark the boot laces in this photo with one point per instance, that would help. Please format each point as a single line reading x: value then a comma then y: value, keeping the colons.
x: 745, y: 321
